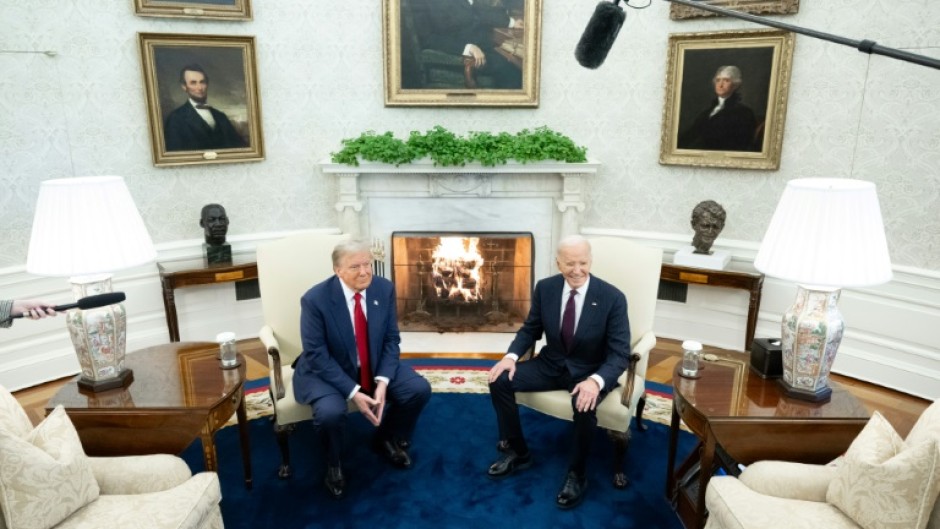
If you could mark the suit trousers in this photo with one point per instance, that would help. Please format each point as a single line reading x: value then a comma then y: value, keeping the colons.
x: 406, y: 396
x: 539, y: 375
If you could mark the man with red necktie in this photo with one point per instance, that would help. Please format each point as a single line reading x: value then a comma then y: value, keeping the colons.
x: 587, y: 334
x: 349, y: 332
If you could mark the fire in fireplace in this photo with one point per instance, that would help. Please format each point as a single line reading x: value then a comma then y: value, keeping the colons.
x: 462, y: 282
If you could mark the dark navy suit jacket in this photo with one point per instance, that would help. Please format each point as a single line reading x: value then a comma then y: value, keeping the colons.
x: 329, y: 360
x: 185, y: 130
x: 601, y: 341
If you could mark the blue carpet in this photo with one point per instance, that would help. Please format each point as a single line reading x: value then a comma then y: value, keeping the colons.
x: 447, y: 487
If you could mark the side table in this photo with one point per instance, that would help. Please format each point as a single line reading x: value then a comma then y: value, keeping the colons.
x: 192, y: 272
x: 751, y: 420
x: 752, y: 282
x: 180, y: 393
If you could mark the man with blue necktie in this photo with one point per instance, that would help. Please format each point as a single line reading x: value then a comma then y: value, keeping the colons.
x: 349, y: 333
x: 587, y: 334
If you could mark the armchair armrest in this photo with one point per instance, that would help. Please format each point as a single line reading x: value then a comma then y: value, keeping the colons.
x: 138, y: 474
x: 639, y: 356
x: 266, y: 335
x: 784, y: 479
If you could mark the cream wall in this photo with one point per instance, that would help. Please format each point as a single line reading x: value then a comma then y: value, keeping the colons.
x: 82, y: 112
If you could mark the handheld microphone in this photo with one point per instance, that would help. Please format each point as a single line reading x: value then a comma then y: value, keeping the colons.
x: 89, y: 302
x: 599, y: 35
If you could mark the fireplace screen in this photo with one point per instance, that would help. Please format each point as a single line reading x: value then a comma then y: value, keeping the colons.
x: 462, y: 282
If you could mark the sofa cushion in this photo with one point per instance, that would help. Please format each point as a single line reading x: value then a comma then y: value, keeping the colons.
x: 733, y: 505
x: 12, y: 417
x: 883, y: 483
x: 44, y: 476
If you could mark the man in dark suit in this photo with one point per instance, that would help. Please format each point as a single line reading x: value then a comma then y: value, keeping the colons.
x: 584, y: 320
x: 726, y: 124
x: 465, y: 27
x: 350, y: 338
x: 196, y: 126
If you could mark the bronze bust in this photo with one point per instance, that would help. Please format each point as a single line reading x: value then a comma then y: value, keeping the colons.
x: 214, y: 223
x: 708, y: 219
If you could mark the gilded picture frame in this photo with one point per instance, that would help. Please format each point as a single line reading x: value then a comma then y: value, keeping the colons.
x: 429, y: 61
x: 202, y: 98
x: 754, y: 7
x: 208, y: 9
x: 746, y: 130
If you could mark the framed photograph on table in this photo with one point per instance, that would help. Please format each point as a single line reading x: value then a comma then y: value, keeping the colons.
x: 202, y: 98
x: 756, y: 7
x: 210, y: 9
x: 454, y: 53
x: 726, y: 98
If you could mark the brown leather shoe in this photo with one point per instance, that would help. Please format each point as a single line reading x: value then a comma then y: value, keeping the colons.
x: 334, y: 481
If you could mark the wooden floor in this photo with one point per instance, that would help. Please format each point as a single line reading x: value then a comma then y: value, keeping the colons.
x: 899, y: 408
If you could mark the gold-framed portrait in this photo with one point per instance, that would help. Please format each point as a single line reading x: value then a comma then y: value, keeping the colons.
x: 457, y: 53
x: 202, y: 98
x: 726, y: 98
x: 755, y: 7
x: 209, y: 9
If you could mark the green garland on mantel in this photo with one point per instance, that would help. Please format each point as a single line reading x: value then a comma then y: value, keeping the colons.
x: 448, y: 149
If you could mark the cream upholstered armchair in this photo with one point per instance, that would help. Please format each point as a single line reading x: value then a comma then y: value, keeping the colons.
x: 46, y: 480
x: 287, y: 268
x: 881, y: 481
x: 634, y: 269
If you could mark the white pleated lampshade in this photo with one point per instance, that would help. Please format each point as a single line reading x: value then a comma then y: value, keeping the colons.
x: 826, y: 232
x: 86, y: 226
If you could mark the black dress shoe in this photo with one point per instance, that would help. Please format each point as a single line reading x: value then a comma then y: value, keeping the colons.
x: 572, y: 492
x: 334, y: 481
x: 508, y: 463
x: 392, y: 451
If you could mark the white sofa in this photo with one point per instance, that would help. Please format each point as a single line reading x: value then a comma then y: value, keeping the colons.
x: 882, y: 481
x: 49, y: 482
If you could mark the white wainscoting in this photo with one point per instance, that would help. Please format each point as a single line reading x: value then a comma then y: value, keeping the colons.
x: 890, y: 338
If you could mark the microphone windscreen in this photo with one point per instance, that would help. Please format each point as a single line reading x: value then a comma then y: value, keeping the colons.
x: 101, y: 300
x: 599, y: 35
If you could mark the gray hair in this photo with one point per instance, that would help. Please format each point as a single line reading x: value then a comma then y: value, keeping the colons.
x: 572, y: 240
x: 349, y: 247
x: 731, y: 72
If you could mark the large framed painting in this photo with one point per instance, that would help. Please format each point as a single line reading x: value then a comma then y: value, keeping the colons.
x: 726, y: 98
x: 457, y: 53
x: 210, y: 9
x: 202, y: 98
x: 757, y: 7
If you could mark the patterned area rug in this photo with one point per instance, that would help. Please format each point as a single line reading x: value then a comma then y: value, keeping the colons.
x: 458, y: 376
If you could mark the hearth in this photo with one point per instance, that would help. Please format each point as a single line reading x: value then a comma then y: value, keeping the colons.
x: 462, y: 282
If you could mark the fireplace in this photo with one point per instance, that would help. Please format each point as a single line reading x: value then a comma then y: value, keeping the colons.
x: 462, y: 282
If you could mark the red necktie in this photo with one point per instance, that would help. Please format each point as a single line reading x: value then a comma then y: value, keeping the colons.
x: 567, y: 321
x: 362, y: 344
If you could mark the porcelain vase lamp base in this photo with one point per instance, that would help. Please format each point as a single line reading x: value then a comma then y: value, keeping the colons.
x: 811, y: 333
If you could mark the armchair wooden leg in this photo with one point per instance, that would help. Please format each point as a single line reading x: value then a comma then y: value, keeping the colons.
x: 282, y: 433
x: 620, y: 440
x: 640, y: 405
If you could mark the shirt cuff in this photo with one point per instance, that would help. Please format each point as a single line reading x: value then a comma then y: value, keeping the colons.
x: 600, y: 381
x: 382, y: 379
x: 466, y: 50
x: 353, y: 393
x: 514, y: 356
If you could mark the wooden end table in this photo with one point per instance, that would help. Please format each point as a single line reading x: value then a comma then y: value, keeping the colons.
x: 180, y: 392
x: 752, y: 282
x: 751, y: 420
x: 194, y: 272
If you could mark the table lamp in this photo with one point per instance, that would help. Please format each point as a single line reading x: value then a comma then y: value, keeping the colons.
x: 825, y: 234
x: 86, y: 228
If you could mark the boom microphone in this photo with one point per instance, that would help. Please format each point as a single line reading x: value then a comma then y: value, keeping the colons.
x: 599, y: 35
x: 89, y: 302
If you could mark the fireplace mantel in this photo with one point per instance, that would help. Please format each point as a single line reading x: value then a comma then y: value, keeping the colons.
x: 562, y: 182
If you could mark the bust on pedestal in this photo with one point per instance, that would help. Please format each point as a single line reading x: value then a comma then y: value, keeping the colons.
x: 708, y: 219
x: 214, y: 223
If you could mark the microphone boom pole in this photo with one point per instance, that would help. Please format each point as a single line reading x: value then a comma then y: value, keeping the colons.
x: 865, y: 46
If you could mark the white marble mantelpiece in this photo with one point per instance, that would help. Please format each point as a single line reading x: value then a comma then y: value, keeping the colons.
x: 544, y: 198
